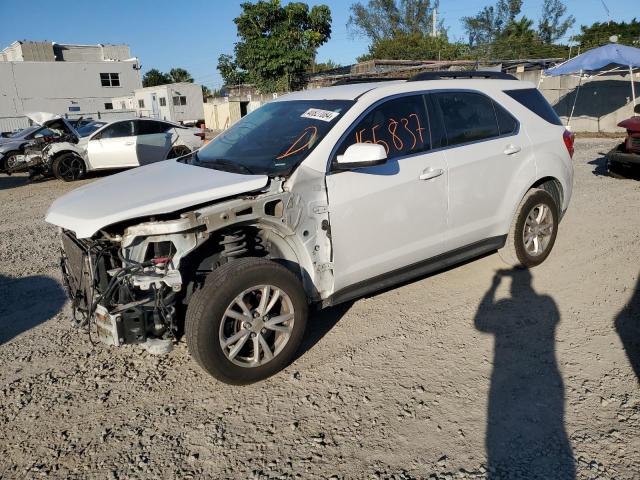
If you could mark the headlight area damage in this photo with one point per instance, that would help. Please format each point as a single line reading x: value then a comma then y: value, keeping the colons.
x: 125, y: 293
x: 130, y: 283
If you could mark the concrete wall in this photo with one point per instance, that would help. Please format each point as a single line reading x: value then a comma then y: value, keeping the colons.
x: 221, y: 114
x: 601, y: 103
x: 60, y: 87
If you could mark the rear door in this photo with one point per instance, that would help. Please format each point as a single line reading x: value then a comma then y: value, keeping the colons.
x: 114, y: 146
x: 153, y: 141
x: 388, y: 216
x: 487, y: 154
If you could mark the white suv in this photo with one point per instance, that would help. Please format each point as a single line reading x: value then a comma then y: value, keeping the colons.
x: 317, y: 198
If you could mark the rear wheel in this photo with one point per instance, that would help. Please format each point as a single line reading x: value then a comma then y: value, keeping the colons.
x: 247, y: 321
x: 68, y: 167
x: 533, y: 230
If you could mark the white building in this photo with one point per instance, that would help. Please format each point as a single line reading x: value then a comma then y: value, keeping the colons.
x: 72, y: 80
x: 176, y: 102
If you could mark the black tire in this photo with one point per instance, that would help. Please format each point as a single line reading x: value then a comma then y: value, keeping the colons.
x: 178, y: 151
x: 617, y: 171
x: 7, y: 162
x: 514, y: 252
x: 68, y: 167
x: 207, y: 308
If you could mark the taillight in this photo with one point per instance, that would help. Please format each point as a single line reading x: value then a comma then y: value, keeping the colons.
x: 568, y: 138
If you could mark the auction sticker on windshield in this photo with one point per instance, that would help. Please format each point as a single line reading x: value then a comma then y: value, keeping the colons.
x: 318, y: 114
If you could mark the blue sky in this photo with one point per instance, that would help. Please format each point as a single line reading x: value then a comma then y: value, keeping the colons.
x: 193, y: 33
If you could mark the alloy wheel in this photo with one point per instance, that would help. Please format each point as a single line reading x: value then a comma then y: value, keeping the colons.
x: 538, y: 230
x: 256, y: 326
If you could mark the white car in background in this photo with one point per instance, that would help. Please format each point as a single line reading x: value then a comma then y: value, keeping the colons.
x: 121, y: 144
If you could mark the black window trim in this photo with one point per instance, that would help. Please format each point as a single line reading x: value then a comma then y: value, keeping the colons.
x: 488, y: 139
x: 331, y: 160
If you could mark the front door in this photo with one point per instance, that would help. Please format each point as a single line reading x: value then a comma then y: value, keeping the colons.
x: 389, y: 216
x: 113, y: 147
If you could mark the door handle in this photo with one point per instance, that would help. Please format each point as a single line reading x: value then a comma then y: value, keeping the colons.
x: 511, y: 149
x: 128, y: 144
x: 429, y: 173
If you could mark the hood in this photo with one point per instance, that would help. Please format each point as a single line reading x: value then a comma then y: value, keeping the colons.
x: 45, y: 119
x: 41, y: 118
x: 162, y: 187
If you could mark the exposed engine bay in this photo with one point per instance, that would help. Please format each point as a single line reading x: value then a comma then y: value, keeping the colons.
x: 36, y: 158
x: 130, y: 283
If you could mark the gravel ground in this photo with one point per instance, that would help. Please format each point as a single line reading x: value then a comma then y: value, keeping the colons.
x: 475, y: 372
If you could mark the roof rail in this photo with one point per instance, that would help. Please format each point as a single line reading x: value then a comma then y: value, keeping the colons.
x: 349, y: 81
x: 443, y: 75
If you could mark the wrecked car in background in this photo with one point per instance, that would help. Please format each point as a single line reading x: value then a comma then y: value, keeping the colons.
x: 103, y: 145
x: 47, y: 128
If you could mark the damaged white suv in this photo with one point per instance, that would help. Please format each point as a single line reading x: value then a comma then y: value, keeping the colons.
x: 316, y: 198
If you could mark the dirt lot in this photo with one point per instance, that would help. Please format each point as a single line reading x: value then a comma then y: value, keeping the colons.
x: 471, y: 373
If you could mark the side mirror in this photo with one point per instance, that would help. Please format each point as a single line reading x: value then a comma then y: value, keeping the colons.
x: 362, y: 155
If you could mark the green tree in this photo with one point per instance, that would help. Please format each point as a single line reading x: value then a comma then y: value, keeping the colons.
x: 552, y: 26
x: 277, y: 44
x: 598, y: 34
x: 155, y: 77
x: 416, y: 46
x: 178, y: 75
x: 323, y: 66
x: 487, y: 25
x: 230, y: 72
x: 386, y: 19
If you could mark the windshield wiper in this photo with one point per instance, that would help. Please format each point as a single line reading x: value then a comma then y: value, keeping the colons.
x: 226, y: 163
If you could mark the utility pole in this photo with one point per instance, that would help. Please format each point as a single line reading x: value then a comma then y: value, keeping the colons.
x: 434, y: 21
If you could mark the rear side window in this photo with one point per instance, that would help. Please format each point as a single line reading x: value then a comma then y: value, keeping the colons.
x: 467, y: 117
x: 149, y: 127
x: 399, y: 125
x: 534, y: 101
x: 506, y: 123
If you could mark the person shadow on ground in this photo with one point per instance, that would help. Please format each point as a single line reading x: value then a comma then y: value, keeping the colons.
x: 525, y: 435
x: 26, y: 303
x: 627, y: 324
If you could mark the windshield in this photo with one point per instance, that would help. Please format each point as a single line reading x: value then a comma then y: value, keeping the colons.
x: 89, y: 128
x: 273, y: 139
x: 25, y: 132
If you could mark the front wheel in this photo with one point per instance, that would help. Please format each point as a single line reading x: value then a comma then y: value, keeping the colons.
x: 533, y: 230
x: 68, y: 167
x: 178, y: 151
x: 247, y: 321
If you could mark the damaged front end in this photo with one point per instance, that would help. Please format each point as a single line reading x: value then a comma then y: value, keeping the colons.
x: 124, y: 289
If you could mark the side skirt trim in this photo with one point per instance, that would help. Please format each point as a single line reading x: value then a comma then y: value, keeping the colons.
x: 415, y: 270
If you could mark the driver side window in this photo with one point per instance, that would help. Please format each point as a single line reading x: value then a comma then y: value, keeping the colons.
x: 399, y: 125
x: 118, y: 130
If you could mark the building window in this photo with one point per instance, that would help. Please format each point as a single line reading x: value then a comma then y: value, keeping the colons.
x: 180, y: 100
x: 108, y: 106
x: 110, y: 79
x: 163, y: 102
x: 141, y: 103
